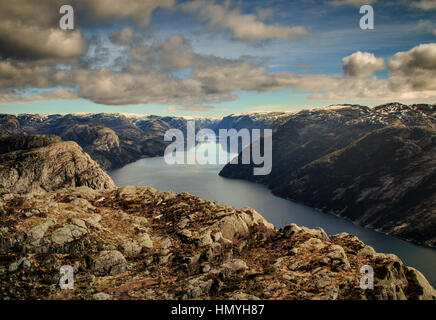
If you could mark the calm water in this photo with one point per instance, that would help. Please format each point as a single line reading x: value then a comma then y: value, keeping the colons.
x: 204, y: 181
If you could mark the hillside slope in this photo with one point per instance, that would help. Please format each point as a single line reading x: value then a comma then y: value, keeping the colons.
x: 139, y: 243
x: 373, y: 166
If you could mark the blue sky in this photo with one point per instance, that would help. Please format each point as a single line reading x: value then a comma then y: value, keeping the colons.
x: 331, y: 33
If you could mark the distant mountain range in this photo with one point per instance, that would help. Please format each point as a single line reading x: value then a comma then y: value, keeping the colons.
x: 114, y: 140
x: 376, y: 167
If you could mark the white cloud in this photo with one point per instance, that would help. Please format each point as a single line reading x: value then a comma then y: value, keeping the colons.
x: 264, y: 13
x: 170, y: 54
x: 362, y: 64
x: 46, y: 95
x: 416, y: 68
x: 172, y: 109
x: 242, y: 26
x: 425, y: 4
x: 424, y: 25
x: 411, y: 78
x: 149, y: 78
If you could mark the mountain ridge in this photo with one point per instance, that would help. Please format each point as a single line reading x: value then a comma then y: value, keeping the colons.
x: 308, y: 146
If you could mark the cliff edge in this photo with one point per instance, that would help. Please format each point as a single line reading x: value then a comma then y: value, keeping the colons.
x: 45, y: 163
x: 140, y: 243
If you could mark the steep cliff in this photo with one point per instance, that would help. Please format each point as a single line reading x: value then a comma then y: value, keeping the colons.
x: 44, y: 163
x: 385, y: 180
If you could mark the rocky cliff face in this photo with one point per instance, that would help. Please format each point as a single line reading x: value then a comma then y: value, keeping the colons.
x: 139, y: 243
x: 373, y: 166
x: 45, y: 163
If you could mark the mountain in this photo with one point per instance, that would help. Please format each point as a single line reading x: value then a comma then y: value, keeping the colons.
x: 256, y: 120
x: 43, y: 163
x: 9, y: 125
x: 373, y: 166
x: 114, y: 140
x: 110, y: 139
x: 140, y: 243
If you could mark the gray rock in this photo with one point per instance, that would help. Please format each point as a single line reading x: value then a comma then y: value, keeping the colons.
x: 166, y: 243
x: 102, y: 296
x: 291, y: 229
x: 337, y: 254
x: 234, y: 266
x: 145, y: 241
x: 185, y: 234
x: 182, y: 224
x: 94, y: 221
x: 206, y: 268
x: 164, y: 259
x: 13, y: 267
x: 79, y: 222
x: 37, y: 232
x: 22, y: 263
x: 312, y: 244
x: 322, y: 283
x: 110, y: 262
x: 243, y: 296
x: 67, y: 234
x: 317, y: 233
x: 204, y: 240
x: 417, y: 279
x: 366, y: 251
x: 131, y: 248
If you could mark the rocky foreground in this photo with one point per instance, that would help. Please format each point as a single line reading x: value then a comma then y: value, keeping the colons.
x: 139, y: 243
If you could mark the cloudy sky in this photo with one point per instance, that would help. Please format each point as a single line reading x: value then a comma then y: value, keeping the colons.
x: 211, y: 58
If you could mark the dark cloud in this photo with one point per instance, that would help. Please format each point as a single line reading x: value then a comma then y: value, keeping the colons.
x: 124, y: 37
x: 362, y: 64
x: 30, y: 29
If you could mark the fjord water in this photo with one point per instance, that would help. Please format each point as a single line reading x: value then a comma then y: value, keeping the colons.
x: 204, y: 181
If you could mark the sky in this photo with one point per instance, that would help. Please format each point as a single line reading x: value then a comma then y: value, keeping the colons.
x: 213, y: 58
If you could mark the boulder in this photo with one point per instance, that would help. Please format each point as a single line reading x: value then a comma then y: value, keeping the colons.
x: 234, y: 266
x: 37, y: 232
x: 109, y: 262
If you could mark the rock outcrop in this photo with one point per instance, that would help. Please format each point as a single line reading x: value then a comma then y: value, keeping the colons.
x: 44, y: 163
x: 140, y: 243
